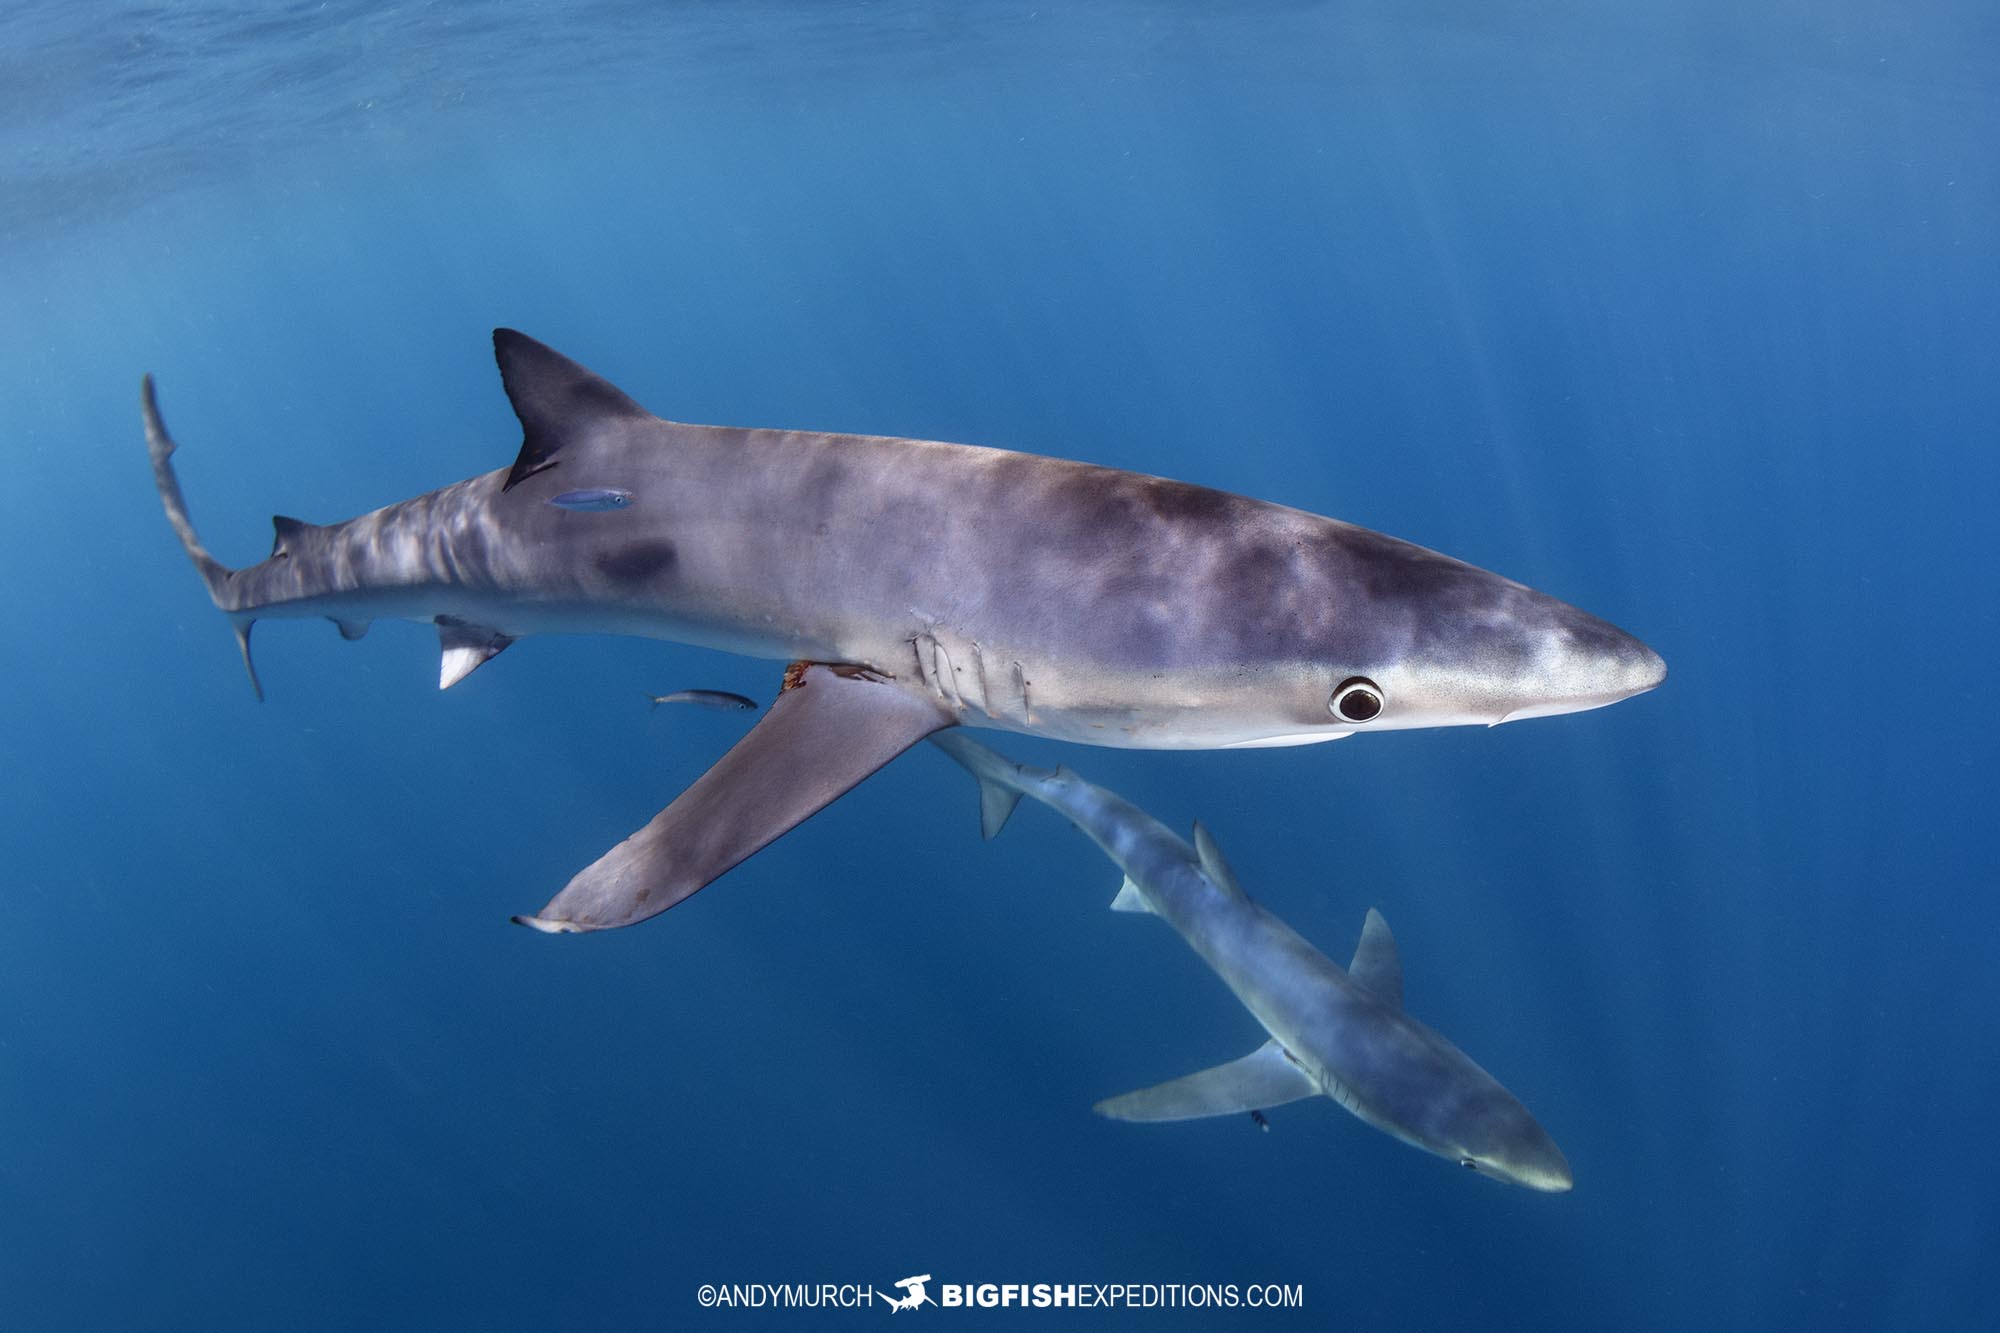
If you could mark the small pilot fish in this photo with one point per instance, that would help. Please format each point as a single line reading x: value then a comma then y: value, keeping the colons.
x: 720, y: 700
x: 592, y: 500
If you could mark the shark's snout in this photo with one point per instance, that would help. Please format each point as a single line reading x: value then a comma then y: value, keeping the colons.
x: 1546, y: 1170
x: 1587, y: 663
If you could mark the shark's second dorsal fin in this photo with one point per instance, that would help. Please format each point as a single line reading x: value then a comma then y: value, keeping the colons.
x: 285, y: 533
x: 1212, y: 863
x: 556, y: 399
x: 1377, y: 967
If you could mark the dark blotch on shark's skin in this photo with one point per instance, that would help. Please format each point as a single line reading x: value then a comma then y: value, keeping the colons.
x: 1181, y: 502
x: 1108, y: 506
x: 639, y: 562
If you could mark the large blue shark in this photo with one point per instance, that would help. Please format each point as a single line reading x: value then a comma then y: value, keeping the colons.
x: 1333, y: 1032
x: 912, y: 585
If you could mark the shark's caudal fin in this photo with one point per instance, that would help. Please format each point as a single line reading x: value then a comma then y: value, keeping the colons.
x: 830, y: 728
x: 214, y: 573
x: 1377, y: 967
x: 1266, y: 1077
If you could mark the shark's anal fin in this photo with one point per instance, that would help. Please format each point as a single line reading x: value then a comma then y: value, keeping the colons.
x: 1266, y: 1077
x: 465, y: 647
x: 830, y: 728
x: 1377, y: 967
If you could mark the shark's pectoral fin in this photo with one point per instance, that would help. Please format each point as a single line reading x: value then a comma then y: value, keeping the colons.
x: 1265, y: 1077
x: 1377, y: 967
x: 464, y: 648
x: 830, y: 728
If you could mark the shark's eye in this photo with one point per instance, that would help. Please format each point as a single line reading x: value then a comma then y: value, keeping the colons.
x: 1468, y: 1163
x: 1357, y: 700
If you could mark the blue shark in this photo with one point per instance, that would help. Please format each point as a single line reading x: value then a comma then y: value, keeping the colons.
x: 911, y: 585
x: 1332, y: 1032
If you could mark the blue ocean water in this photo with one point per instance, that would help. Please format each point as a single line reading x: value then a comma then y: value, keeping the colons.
x: 1686, y: 313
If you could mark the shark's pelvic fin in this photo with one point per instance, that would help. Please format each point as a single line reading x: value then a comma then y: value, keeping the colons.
x: 556, y: 399
x: 999, y: 778
x: 465, y: 647
x: 1212, y: 863
x: 350, y: 629
x: 1129, y: 898
x: 1266, y: 1077
x: 830, y: 728
x: 996, y: 803
x: 1377, y: 967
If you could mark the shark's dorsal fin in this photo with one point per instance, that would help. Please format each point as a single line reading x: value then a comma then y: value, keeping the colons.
x: 466, y: 648
x: 284, y: 531
x: 1377, y: 967
x: 556, y: 399
x: 350, y: 629
x: 1212, y: 863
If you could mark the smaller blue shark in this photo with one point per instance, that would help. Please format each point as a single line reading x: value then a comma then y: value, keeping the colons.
x: 1338, y: 1033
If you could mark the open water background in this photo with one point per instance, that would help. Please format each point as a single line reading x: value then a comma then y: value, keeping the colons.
x: 1681, y: 312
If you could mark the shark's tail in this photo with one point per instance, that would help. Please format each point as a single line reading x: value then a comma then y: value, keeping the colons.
x: 1001, y: 780
x: 213, y: 572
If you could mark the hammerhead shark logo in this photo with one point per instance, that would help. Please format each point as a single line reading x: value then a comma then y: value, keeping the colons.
x: 913, y: 586
x: 913, y: 1294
